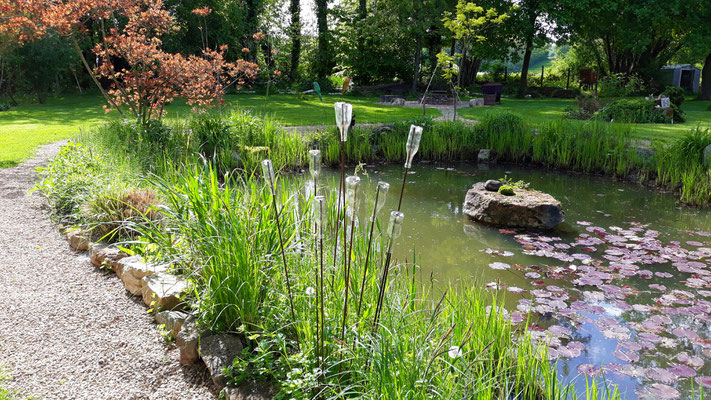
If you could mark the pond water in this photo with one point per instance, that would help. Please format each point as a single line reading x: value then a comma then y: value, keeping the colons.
x: 621, y: 290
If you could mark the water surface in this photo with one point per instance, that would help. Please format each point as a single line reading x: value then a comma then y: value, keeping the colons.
x: 585, y: 285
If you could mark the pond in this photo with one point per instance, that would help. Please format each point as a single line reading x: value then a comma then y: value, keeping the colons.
x: 621, y: 290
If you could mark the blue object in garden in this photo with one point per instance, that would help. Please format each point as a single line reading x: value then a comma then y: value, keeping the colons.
x: 317, y: 89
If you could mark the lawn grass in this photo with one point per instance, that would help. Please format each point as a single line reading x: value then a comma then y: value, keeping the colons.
x: 24, y: 128
x: 537, y: 111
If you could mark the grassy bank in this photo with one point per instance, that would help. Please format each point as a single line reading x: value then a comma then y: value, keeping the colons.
x: 541, y: 111
x: 212, y: 220
x: 239, y: 141
x: 24, y: 128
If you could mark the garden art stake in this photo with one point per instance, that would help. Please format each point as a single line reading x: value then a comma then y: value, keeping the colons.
x: 351, y: 209
x: 269, y: 178
x: 381, y: 193
x: 413, y: 144
x: 319, y: 217
x: 344, y: 112
x: 394, y: 230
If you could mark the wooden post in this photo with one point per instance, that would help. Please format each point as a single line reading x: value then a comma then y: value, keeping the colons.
x: 567, y: 83
x: 542, y: 71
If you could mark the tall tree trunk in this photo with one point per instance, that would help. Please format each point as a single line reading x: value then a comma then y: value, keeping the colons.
x: 295, y: 31
x: 323, y: 55
x: 93, y: 77
x: 706, y: 79
x: 524, y: 68
x: 416, y: 71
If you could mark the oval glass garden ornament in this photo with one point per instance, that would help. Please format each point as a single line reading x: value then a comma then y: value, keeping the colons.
x: 382, y: 195
x: 318, y: 214
x: 352, y: 195
x: 344, y: 114
x: 315, y: 163
x: 413, y: 144
x: 395, y: 226
x: 268, y: 173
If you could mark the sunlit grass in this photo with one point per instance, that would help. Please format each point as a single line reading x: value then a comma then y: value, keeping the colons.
x: 536, y: 111
x: 24, y: 128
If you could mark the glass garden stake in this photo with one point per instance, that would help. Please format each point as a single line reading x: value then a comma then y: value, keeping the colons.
x: 380, y: 195
x: 270, y: 178
x: 413, y: 144
x: 344, y: 113
x: 394, y: 230
x: 319, y: 217
x: 315, y: 168
x: 352, y: 210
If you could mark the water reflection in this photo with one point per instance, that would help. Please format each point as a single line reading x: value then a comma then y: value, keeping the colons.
x: 449, y: 248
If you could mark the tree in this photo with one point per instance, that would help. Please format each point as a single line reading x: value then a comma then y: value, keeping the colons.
x: 41, y: 61
x: 324, y: 55
x: 295, y: 33
x: 467, y: 26
x: 528, y: 23
x: 626, y: 36
x: 148, y: 77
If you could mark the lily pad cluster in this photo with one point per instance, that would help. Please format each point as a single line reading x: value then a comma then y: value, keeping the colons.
x: 647, y: 297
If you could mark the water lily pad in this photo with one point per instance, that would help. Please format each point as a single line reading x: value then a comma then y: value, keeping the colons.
x: 499, y: 266
x: 661, y: 375
x: 626, y: 355
x: 657, y: 391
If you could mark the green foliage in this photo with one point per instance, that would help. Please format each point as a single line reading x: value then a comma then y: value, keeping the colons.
x: 588, y: 105
x: 619, y: 85
x: 42, y: 61
x: 506, y: 190
x: 71, y: 179
x: 681, y: 166
x: 638, y: 111
x: 675, y: 94
x: 594, y: 146
x: 4, y: 106
x: 514, y: 184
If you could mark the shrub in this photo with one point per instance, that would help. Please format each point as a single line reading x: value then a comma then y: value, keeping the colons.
x: 675, y: 94
x: 71, y: 179
x: 619, y: 85
x: 588, y: 105
x: 4, y: 106
x: 113, y: 216
x: 213, y: 137
x: 638, y: 111
x: 506, y: 190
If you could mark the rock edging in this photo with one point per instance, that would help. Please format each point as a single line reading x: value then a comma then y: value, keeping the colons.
x: 162, y: 291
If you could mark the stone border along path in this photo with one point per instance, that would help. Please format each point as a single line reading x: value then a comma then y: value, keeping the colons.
x: 69, y: 330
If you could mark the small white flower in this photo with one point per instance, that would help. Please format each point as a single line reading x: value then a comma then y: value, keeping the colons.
x: 310, y: 291
x: 454, y: 352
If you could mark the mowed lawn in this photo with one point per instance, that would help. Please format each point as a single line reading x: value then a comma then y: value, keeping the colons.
x: 24, y: 128
x: 538, y: 111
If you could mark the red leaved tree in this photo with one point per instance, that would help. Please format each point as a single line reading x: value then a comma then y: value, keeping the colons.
x: 148, y: 77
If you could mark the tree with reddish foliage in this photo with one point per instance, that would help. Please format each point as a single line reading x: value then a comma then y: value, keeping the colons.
x: 152, y: 77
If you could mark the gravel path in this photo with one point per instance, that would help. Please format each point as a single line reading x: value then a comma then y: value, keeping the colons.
x: 67, y: 329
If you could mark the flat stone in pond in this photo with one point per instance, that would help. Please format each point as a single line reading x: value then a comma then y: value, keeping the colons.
x: 525, y: 209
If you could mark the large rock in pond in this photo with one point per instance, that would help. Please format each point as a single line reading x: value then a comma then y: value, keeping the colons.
x: 525, y: 209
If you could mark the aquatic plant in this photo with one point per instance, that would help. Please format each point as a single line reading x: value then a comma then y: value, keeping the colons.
x: 506, y: 190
